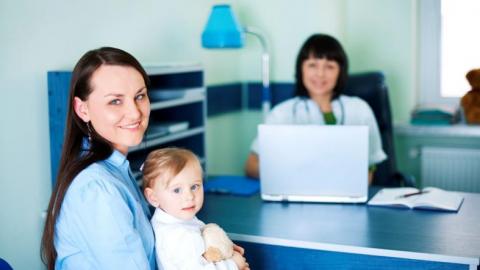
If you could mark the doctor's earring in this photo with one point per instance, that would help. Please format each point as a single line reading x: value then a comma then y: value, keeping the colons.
x: 89, y: 129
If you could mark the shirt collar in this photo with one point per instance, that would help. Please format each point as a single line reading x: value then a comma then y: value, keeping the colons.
x: 117, y: 158
x: 164, y: 217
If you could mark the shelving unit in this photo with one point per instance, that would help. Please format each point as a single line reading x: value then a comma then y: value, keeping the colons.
x: 178, y: 110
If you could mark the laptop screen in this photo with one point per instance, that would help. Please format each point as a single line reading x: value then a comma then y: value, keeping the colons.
x: 314, y: 162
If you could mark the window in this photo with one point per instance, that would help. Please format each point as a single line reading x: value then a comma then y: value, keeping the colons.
x: 460, y: 44
x: 449, y: 48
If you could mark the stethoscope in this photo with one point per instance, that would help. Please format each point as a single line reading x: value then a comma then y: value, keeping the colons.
x: 307, y: 109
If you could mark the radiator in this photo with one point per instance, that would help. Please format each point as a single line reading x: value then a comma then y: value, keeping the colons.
x: 451, y: 168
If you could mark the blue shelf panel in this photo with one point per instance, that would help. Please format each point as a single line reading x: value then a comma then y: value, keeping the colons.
x: 58, y: 90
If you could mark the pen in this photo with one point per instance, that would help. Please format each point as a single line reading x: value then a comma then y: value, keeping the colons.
x: 412, y: 194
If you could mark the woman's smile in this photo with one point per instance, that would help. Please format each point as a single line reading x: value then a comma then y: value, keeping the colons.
x: 132, y: 126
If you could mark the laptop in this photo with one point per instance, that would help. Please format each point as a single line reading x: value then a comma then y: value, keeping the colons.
x: 313, y: 163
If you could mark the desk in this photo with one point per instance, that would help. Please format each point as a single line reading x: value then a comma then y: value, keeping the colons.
x: 348, y: 236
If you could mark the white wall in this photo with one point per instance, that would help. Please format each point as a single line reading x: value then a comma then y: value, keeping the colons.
x: 37, y: 36
x: 381, y: 35
x: 377, y: 35
x: 286, y: 25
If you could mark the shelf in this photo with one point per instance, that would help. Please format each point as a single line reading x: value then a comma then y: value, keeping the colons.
x: 452, y: 131
x: 198, y: 96
x: 167, y: 138
x: 172, y: 68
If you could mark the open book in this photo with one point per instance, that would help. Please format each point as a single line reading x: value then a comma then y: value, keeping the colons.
x: 427, y: 198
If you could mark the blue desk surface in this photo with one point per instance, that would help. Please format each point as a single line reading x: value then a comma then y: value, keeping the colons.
x: 352, y: 228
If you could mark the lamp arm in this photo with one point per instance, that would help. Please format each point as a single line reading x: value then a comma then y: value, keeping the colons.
x: 256, y: 32
x: 265, y: 70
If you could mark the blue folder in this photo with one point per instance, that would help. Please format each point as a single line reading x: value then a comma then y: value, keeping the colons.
x: 232, y: 184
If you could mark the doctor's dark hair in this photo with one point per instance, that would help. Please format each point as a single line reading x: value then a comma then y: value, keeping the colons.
x: 75, y: 157
x: 321, y: 46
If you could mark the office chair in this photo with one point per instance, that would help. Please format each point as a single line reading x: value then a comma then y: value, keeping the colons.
x: 371, y: 87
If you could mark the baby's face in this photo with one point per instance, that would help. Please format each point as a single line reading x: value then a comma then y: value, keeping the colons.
x: 183, y: 197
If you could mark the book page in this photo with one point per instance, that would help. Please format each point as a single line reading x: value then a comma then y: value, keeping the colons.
x: 435, y: 198
x: 394, y: 197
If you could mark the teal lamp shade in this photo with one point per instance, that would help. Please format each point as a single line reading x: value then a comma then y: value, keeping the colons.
x: 222, y: 29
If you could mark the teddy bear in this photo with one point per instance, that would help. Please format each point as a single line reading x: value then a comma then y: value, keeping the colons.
x: 218, y: 246
x: 471, y: 100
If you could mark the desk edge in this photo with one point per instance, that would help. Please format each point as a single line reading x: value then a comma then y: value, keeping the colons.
x: 355, y: 249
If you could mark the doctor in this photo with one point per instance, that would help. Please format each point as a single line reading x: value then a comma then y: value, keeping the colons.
x: 320, y: 75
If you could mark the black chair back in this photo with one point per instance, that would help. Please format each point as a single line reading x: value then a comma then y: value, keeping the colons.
x: 371, y: 87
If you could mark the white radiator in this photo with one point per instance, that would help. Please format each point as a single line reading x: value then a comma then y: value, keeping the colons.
x: 451, y: 168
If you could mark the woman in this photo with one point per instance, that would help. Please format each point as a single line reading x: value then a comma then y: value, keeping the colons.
x: 320, y: 76
x: 97, y: 217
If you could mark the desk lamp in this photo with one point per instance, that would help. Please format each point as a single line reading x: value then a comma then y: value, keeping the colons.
x: 223, y: 31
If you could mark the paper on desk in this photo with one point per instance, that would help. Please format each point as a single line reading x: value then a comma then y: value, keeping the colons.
x: 431, y: 198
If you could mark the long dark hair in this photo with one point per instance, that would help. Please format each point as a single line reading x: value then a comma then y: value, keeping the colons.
x: 74, y: 157
x: 321, y: 46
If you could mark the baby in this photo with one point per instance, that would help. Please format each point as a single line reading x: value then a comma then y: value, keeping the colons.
x: 173, y: 185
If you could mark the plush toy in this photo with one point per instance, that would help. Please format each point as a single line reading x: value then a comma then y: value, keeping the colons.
x: 471, y: 101
x: 217, y: 244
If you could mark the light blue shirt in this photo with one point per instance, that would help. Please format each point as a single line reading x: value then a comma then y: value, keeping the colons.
x: 104, y: 220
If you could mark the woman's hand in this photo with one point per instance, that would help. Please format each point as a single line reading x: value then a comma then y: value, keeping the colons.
x: 240, y: 261
x: 238, y: 253
x: 238, y: 249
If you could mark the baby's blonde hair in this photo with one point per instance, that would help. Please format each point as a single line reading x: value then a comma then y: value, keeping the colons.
x: 167, y: 163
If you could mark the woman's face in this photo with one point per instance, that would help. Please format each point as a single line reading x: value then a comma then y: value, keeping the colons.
x: 320, y: 76
x: 118, y: 106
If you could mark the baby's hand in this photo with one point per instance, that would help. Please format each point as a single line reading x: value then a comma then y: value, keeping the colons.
x: 240, y: 261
